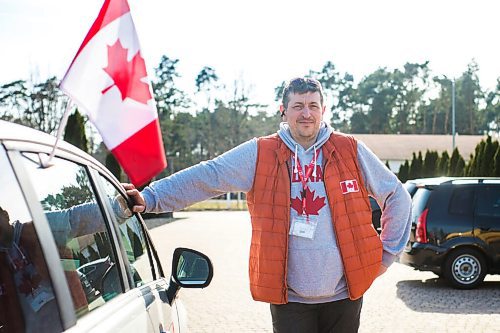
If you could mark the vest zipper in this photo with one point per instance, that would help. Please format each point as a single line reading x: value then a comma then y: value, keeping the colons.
x: 288, y: 168
x: 333, y: 225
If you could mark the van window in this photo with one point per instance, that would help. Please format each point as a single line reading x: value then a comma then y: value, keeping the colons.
x: 419, y: 202
x: 27, y: 299
x: 462, y: 202
x: 488, y: 203
x: 79, y: 229
x: 139, y: 256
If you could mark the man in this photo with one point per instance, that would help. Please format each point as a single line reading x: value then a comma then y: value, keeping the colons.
x: 314, y: 251
x: 24, y: 280
x: 25, y: 285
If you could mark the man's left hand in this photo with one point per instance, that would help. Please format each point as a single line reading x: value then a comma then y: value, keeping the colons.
x: 138, y: 203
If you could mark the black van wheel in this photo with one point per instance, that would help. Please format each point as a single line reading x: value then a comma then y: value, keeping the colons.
x: 465, y: 268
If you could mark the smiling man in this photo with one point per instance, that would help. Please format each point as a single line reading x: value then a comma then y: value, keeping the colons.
x: 304, y: 116
x: 314, y: 251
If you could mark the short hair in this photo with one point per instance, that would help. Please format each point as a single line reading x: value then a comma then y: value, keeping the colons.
x: 301, y: 85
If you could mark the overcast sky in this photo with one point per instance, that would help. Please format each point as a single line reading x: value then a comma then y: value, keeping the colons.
x: 263, y: 42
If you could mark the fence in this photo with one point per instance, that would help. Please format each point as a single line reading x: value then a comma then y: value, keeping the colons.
x: 228, y: 201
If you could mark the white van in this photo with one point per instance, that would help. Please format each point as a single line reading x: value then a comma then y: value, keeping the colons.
x: 72, y: 256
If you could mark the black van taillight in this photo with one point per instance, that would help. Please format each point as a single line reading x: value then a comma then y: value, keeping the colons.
x: 421, y: 230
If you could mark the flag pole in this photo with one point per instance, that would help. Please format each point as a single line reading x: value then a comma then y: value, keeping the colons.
x: 62, y: 125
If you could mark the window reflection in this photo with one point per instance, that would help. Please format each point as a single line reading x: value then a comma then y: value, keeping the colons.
x: 134, y: 241
x: 27, y: 299
x: 80, y: 232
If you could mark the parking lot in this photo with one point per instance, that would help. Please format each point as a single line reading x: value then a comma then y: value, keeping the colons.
x: 402, y: 300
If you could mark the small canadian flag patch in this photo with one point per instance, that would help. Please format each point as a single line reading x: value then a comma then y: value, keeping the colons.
x: 349, y: 186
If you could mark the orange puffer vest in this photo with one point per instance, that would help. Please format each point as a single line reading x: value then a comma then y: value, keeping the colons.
x: 269, y: 207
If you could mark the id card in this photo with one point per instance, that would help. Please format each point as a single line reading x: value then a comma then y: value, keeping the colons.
x: 39, y: 298
x: 304, y: 226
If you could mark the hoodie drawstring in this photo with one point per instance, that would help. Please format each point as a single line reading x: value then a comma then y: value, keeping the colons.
x: 315, y: 156
x: 315, y: 161
x: 296, y: 169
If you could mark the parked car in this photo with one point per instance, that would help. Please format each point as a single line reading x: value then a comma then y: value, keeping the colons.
x: 88, y: 289
x: 410, y: 186
x: 456, y: 229
x: 95, y: 271
x: 72, y: 255
x: 376, y: 214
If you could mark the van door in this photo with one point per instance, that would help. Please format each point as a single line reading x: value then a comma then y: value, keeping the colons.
x: 89, y: 252
x: 145, y: 273
x: 487, y: 220
x: 29, y: 292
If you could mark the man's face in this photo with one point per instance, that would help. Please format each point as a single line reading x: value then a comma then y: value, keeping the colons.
x: 304, y: 114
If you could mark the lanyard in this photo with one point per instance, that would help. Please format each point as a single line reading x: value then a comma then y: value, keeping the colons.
x: 303, y: 179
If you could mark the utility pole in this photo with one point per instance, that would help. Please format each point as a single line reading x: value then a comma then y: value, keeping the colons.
x: 452, y: 111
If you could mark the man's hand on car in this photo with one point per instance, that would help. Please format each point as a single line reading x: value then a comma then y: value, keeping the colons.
x: 139, y: 205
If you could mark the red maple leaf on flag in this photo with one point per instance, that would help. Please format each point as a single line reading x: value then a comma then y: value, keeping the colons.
x: 313, y: 205
x: 127, y: 75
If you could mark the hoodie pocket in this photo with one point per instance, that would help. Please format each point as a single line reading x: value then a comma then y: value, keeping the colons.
x: 315, y: 273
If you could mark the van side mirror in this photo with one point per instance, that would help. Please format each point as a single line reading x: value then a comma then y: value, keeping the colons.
x: 191, y: 269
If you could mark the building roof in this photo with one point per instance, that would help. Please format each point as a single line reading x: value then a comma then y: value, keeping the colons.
x: 400, y: 147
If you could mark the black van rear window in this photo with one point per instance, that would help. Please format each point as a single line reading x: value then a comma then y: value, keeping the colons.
x: 462, y: 202
x: 488, y: 203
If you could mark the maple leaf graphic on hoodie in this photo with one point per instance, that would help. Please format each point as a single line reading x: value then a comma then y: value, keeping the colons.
x: 313, y: 205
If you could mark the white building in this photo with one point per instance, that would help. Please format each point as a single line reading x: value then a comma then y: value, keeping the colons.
x: 396, y: 148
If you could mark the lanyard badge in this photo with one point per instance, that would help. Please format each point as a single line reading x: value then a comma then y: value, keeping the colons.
x: 304, y: 225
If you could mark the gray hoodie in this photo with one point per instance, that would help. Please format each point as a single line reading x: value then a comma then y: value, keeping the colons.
x: 315, y: 271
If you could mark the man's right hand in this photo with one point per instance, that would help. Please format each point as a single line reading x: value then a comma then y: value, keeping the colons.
x: 138, y: 202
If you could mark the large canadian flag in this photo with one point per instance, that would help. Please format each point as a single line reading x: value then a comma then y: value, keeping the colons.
x: 107, y: 79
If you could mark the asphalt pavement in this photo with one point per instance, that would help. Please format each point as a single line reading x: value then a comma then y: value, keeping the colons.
x: 401, y: 300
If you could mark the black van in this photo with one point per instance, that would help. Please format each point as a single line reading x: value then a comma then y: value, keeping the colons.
x: 456, y: 229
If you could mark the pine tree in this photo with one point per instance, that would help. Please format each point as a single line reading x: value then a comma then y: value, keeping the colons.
x: 468, y: 166
x: 491, y: 162
x: 443, y: 164
x: 435, y: 157
x: 416, y: 166
x: 475, y: 163
x: 420, y: 165
x: 412, y: 169
x: 460, y: 168
x: 425, y: 162
x: 404, y: 171
x: 74, y: 132
x: 456, y: 166
x: 113, y: 166
x: 430, y: 164
x: 487, y: 166
x: 453, y: 162
x: 496, y: 163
